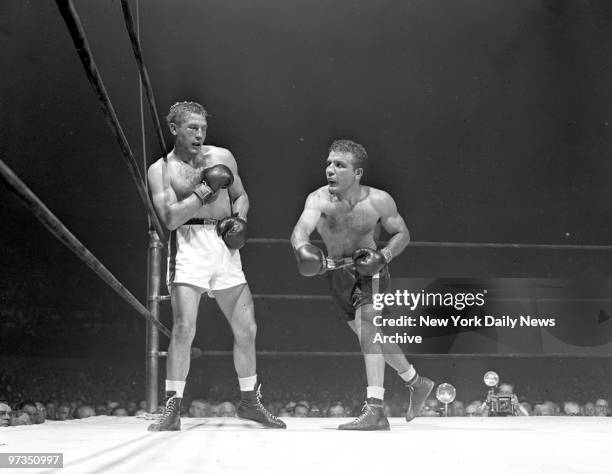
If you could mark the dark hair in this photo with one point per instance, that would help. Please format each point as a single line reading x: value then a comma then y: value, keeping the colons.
x: 179, y: 110
x: 360, y: 155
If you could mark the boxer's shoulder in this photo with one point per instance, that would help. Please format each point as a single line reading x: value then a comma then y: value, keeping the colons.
x: 320, y: 199
x: 379, y: 199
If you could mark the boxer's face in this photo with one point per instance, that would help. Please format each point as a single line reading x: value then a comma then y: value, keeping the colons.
x: 340, y: 172
x: 190, y: 132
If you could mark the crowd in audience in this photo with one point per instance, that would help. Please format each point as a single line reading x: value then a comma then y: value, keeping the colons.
x: 35, y: 402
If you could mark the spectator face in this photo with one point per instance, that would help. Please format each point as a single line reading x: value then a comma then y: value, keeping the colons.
x: 336, y: 411
x: 474, y: 408
x: 431, y: 408
x: 457, y: 408
x: 100, y: 409
x: 571, y: 408
x: 601, y: 407
x: 589, y: 409
x: 63, y: 413
x: 290, y: 407
x: 505, y: 389
x: 305, y: 403
x: 5, y: 414
x: 553, y: 407
x: 42, y: 409
x: 300, y: 411
x: 119, y: 411
x: 51, y: 411
x: 29, y: 409
x: 315, y: 411
x: 85, y: 411
x: 199, y: 409
x: 227, y: 409
x: 543, y: 410
x: 19, y: 418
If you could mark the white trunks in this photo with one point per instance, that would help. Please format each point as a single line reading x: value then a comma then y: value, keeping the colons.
x: 198, y: 256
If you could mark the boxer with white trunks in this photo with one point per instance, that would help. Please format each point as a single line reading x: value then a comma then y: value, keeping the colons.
x: 199, y: 196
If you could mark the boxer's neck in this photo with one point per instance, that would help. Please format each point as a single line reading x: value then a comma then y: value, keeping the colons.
x: 351, y: 196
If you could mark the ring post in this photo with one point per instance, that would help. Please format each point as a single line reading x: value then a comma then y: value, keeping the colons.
x: 152, y: 348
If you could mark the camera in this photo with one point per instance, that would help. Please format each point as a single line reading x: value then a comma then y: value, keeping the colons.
x: 499, y: 404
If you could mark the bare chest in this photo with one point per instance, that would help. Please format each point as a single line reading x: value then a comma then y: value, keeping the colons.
x: 184, y: 177
x: 342, y: 219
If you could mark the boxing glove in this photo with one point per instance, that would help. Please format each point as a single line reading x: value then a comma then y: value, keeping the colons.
x: 218, y: 177
x: 213, y: 178
x: 368, y: 261
x: 233, y: 232
x: 310, y: 260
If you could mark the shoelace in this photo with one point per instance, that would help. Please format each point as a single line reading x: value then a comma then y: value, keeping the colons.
x: 261, y: 406
x: 365, y: 411
x: 168, y: 409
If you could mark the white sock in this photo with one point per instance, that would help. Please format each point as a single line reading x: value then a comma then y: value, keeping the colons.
x: 408, y: 375
x: 247, y: 383
x: 375, y: 392
x: 177, y: 386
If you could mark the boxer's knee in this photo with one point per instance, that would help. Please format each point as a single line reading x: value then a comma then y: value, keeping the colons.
x: 183, y: 332
x: 245, y: 331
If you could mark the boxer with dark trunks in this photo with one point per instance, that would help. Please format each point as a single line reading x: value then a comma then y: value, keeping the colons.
x: 199, y: 196
x: 347, y: 215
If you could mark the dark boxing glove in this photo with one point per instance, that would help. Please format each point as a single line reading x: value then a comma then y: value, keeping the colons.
x: 213, y: 178
x: 218, y: 177
x: 233, y: 232
x: 310, y: 260
x: 369, y: 261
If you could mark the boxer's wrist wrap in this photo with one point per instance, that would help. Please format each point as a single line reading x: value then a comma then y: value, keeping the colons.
x: 387, y: 254
x: 202, y: 191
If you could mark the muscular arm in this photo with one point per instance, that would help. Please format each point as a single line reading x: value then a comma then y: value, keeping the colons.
x: 307, y: 222
x: 170, y: 210
x: 393, y: 223
x: 237, y: 193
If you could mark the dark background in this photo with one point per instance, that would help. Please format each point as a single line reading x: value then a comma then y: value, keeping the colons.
x: 486, y: 121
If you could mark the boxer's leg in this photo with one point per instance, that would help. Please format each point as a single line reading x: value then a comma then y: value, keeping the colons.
x: 419, y: 387
x: 393, y: 355
x: 236, y: 303
x: 185, y: 301
x: 372, y: 350
x: 372, y: 417
x: 237, y: 306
